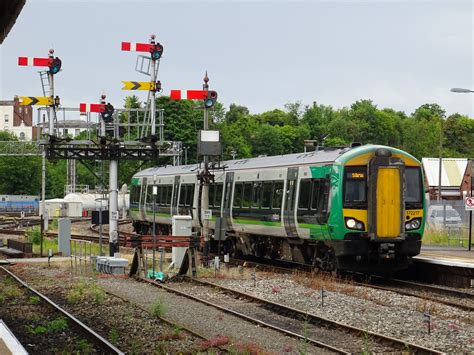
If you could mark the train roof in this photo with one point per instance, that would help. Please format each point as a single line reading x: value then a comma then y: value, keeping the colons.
x: 329, y: 155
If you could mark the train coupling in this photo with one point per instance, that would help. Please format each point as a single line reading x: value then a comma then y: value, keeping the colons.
x: 387, y: 251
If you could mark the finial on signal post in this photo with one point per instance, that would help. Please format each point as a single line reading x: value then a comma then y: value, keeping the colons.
x: 206, y: 81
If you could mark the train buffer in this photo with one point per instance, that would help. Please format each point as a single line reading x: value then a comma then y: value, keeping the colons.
x: 167, y: 242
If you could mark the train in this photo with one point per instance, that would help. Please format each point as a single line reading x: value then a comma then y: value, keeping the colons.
x: 19, y: 203
x: 359, y: 208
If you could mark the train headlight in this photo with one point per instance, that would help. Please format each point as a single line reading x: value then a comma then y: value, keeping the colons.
x: 353, y: 223
x: 413, y: 224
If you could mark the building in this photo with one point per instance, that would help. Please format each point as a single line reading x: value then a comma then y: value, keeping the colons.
x: 456, y: 176
x: 17, y: 119
x: 71, y: 128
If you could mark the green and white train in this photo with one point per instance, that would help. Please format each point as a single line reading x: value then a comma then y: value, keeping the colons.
x: 356, y: 209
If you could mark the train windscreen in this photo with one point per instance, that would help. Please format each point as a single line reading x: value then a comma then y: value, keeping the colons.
x: 355, y: 187
x: 414, y: 188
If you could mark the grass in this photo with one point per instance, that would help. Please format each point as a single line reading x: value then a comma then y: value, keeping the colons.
x: 158, y: 309
x: 440, y: 237
x: 114, y: 336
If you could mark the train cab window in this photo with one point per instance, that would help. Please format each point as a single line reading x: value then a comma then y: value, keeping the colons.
x: 149, y: 194
x: 218, y: 194
x: 305, y: 194
x: 267, y: 194
x: 414, y: 193
x: 247, y: 198
x: 355, y: 187
x: 257, y: 194
x: 277, y: 194
x: 238, y: 189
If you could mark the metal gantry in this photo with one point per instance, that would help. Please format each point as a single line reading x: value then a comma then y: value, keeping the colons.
x: 115, y: 135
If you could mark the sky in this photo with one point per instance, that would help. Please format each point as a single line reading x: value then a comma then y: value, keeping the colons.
x: 259, y: 54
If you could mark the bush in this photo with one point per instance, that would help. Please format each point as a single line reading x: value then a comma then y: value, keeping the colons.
x: 158, y: 309
x: 34, y: 235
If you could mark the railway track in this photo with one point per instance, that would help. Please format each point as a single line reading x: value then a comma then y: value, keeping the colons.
x: 434, y: 293
x: 339, y: 338
x: 100, y: 343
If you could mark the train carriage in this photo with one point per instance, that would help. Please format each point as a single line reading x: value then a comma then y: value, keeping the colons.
x: 359, y: 208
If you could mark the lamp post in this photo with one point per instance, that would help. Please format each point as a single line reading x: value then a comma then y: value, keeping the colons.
x: 467, y: 91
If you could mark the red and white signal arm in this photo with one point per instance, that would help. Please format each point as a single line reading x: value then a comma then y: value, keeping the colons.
x: 137, y: 47
x: 34, y: 62
x: 188, y: 94
x: 469, y: 203
x: 91, y: 108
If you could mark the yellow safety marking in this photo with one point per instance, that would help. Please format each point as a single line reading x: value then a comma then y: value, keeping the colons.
x: 388, y: 203
x: 360, y: 215
x: 36, y: 100
x: 138, y: 85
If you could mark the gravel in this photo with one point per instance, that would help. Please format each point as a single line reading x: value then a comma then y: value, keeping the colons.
x: 208, y: 320
x: 379, y: 311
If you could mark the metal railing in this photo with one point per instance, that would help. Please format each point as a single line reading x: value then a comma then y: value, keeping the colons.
x: 81, y: 257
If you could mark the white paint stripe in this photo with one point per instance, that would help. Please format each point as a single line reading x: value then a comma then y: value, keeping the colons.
x: 30, y: 61
x: 133, y: 46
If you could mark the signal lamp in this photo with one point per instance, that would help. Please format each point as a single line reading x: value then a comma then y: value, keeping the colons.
x: 156, y: 51
x: 55, y: 65
x: 107, y: 114
x: 211, y: 98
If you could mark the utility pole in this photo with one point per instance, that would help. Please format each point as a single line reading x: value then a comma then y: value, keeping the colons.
x: 440, y: 170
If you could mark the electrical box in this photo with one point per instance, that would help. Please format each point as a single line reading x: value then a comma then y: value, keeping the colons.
x: 181, y: 226
x: 64, y: 236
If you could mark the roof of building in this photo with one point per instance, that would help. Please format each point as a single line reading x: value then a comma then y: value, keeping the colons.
x: 452, y: 171
x: 9, y: 11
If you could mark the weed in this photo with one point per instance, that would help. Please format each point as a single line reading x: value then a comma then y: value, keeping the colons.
x: 114, y: 336
x: 34, y: 300
x: 136, y: 347
x: 36, y: 330
x: 2, y: 299
x: 158, y: 309
x: 81, y: 292
x: 58, y: 324
x: 368, y: 344
x: 84, y: 346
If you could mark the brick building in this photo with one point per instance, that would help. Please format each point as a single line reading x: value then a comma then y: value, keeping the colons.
x: 17, y: 119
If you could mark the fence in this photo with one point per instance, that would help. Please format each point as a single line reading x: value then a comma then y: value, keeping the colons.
x: 447, y: 223
x: 81, y: 257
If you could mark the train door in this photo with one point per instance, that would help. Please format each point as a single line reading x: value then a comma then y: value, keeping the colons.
x: 229, y: 181
x: 289, y: 211
x: 174, y: 201
x: 142, y: 208
x: 386, y: 198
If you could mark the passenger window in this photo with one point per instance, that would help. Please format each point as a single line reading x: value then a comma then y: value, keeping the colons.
x: 247, y: 195
x: 305, y: 194
x: 267, y: 194
x: 315, y: 194
x: 189, y: 195
x: 277, y: 194
x: 182, y: 195
x: 238, y: 189
x: 212, y: 190
x: 257, y: 191
x: 218, y: 193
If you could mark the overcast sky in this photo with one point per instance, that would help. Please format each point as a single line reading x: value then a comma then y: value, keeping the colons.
x: 260, y: 54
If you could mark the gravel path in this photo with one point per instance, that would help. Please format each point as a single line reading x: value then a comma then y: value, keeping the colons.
x: 389, y: 313
x: 208, y: 320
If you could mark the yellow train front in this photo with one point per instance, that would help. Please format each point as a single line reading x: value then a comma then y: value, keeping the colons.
x: 377, y: 213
